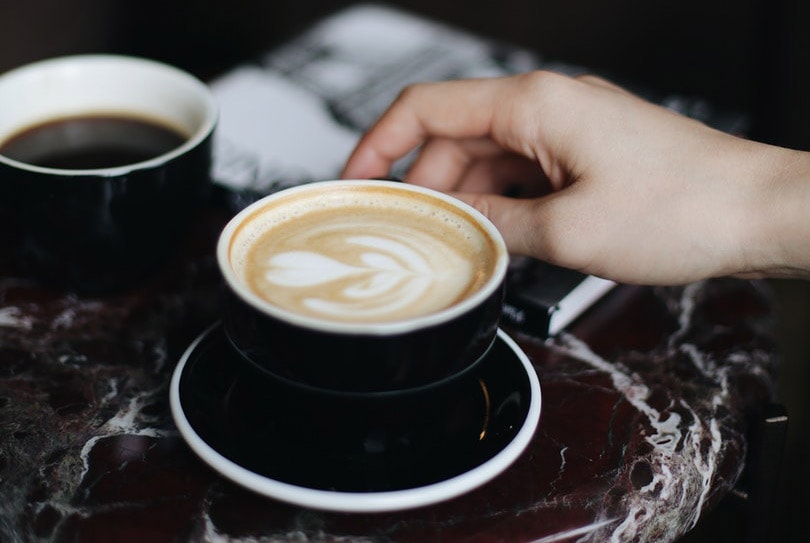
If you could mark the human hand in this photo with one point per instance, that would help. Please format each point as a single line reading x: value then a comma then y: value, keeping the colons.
x: 627, y: 190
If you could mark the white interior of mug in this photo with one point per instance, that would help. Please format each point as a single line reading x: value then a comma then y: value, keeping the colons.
x: 105, y: 84
x: 240, y: 232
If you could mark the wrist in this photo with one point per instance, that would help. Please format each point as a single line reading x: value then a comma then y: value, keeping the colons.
x: 781, y: 227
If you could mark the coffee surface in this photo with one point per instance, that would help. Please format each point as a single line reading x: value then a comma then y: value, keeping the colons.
x: 91, y: 142
x: 363, y: 255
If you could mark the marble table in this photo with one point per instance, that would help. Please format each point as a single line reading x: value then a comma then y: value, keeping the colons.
x: 642, y: 430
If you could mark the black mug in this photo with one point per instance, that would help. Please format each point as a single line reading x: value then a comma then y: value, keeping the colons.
x: 361, y: 286
x: 104, y: 163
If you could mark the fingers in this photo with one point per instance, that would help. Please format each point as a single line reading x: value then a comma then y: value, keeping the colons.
x: 507, y: 174
x: 441, y: 164
x: 454, y: 109
x: 555, y: 229
x: 518, y: 220
x: 526, y: 113
x: 477, y: 165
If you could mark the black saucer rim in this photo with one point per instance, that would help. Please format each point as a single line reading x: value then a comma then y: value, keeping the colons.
x: 365, y: 501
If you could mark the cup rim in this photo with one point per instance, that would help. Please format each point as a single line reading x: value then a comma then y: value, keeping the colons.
x: 121, y: 62
x: 387, y: 328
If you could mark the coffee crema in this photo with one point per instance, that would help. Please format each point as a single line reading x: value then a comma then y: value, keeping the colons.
x: 362, y: 255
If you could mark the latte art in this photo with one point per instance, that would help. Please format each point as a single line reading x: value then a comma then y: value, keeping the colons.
x: 366, y: 278
x: 364, y: 258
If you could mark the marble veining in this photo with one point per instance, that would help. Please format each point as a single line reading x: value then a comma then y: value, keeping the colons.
x: 643, y: 425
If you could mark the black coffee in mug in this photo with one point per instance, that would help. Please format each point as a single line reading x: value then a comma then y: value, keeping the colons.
x: 92, y: 141
x: 104, y: 167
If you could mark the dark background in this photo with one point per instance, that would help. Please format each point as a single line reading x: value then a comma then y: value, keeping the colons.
x: 750, y: 56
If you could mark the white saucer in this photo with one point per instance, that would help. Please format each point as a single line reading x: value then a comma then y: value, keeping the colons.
x: 219, y: 425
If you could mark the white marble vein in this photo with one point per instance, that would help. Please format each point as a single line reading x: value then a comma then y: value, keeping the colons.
x: 682, y: 465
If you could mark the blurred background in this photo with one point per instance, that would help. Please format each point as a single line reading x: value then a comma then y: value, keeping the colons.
x: 747, y: 56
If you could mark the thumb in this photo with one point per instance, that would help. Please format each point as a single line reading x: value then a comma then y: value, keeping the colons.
x: 520, y: 221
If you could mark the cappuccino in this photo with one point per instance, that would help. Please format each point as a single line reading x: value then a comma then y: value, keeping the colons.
x: 362, y: 253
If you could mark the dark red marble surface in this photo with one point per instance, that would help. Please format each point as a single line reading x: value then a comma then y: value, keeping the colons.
x: 643, y: 424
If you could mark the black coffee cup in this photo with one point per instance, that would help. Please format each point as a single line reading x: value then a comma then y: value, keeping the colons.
x: 104, y: 163
x: 369, y: 246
